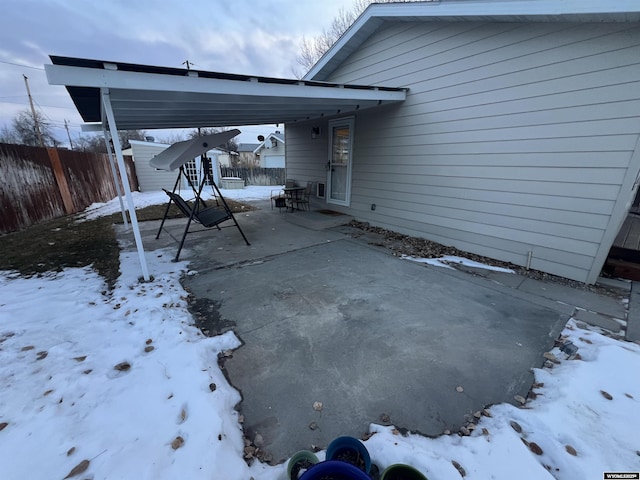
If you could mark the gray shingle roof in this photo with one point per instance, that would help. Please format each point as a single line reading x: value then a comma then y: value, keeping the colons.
x: 247, y: 147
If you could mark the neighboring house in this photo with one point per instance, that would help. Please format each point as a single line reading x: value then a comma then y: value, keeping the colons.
x: 272, y: 151
x: 246, y: 154
x: 518, y: 139
x: 150, y: 179
x: 226, y: 158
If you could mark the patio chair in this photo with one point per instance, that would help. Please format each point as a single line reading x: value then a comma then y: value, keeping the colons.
x: 207, y: 217
x: 303, y: 202
x: 278, y: 198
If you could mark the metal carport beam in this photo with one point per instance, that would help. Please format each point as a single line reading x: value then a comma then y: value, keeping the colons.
x: 122, y: 80
x: 106, y: 104
x: 112, y: 164
x: 146, y: 97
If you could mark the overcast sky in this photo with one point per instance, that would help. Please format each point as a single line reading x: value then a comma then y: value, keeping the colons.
x: 257, y: 37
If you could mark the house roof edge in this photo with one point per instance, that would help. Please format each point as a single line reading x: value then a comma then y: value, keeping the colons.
x: 469, y: 10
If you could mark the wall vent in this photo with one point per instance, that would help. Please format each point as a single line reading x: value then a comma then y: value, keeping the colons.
x: 320, y: 190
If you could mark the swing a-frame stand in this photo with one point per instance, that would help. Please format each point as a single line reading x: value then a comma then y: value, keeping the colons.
x: 198, y: 212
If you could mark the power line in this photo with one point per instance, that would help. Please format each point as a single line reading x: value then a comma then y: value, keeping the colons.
x: 14, y: 103
x: 42, y: 110
x: 41, y: 106
x: 55, y: 122
x: 21, y: 65
x: 60, y: 122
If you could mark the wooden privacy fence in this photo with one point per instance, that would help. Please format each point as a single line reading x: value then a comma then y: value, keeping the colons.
x: 38, y: 184
x: 255, y: 176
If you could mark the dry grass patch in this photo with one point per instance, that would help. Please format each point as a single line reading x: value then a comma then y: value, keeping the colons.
x: 66, y: 242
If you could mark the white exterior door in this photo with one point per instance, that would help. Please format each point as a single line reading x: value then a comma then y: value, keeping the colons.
x: 340, y: 158
x: 194, y: 171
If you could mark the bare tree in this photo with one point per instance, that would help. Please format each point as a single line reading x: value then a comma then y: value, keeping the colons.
x: 173, y: 137
x: 126, y: 135
x: 23, y: 130
x: 95, y: 143
x: 90, y: 143
x: 8, y: 135
x: 311, y: 50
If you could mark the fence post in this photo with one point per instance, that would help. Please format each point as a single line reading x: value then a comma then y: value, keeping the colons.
x: 61, y: 180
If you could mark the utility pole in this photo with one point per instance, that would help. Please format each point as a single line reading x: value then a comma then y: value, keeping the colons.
x: 33, y: 111
x: 66, y: 126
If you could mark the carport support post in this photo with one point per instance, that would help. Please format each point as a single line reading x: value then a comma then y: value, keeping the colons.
x: 111, y: 121
x: 115, y: 176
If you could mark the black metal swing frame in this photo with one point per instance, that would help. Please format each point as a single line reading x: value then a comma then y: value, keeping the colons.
x: 200, y: 213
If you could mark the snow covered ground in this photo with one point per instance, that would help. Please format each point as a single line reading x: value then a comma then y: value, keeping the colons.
x: 144, y: 199
x: 447, y: 260
x: 120, y: 385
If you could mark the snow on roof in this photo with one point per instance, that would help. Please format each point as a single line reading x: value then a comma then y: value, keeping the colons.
x: 277, y: 135
x: 144, y: 142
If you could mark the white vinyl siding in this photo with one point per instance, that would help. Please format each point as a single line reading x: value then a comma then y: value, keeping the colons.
x: 513, y: 138
x: 150, y: 179
x: 307, y: 157
x: 273, y: 161
x: 273, y: 157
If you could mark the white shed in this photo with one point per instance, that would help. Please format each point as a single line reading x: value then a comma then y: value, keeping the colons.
x: 152, y: 179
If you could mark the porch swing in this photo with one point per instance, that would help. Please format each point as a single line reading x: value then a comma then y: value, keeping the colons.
x: 176, y: 156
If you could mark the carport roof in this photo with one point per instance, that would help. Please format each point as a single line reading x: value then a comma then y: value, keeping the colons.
x: 150, y: 97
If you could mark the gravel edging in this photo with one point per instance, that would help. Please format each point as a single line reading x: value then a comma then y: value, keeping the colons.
x: 401, y: 244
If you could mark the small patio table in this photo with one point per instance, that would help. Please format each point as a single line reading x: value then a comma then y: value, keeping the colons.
x: 292, y: 195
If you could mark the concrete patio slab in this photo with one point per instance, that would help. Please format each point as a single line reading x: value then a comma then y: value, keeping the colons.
x: 327, y: 314
x: 366, y: 334
x: 508, y: 279
x: 269, y: 232
x: 607, y: 305
x: 598, y: 320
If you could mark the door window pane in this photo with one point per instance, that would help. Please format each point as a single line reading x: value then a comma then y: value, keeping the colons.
x: 341, y: 145
x: 340, y: 158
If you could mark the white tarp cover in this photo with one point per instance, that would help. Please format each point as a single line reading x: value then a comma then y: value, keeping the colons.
x: 182, y: 152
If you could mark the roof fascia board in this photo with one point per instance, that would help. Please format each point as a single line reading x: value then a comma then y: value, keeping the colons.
x: 271, y: 135
x: 117, y: 79
x: 368, y: 16
x: 376, y: 14
x: 457, y: 8
x: 144, y: 142
x: 91, y: 127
